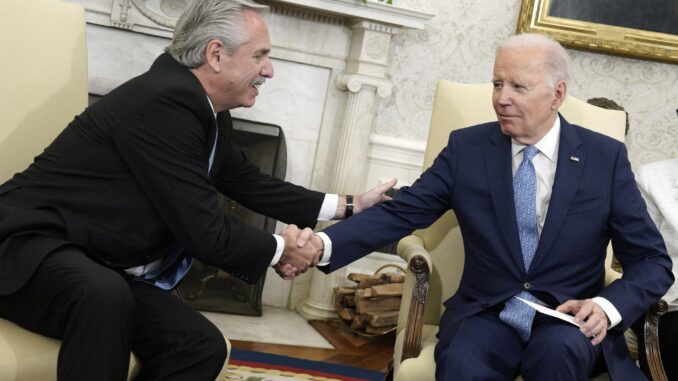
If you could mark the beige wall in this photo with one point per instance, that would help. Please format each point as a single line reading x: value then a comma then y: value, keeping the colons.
x: 458, y: 44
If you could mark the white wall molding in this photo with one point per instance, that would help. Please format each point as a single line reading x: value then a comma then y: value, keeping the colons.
x: 390, y: 157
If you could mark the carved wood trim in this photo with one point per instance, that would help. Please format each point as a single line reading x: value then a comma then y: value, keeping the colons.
x: 415, y: 316
x: 651, y: 332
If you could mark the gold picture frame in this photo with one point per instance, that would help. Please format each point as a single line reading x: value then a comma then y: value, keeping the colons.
x: 599, y: 31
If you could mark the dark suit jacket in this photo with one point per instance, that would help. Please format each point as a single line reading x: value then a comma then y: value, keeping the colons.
x: 594, y: 200
x: 128, y: 178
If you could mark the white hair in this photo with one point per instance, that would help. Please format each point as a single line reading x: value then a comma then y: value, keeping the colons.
x: 205, y: 20
x: 557, y: 59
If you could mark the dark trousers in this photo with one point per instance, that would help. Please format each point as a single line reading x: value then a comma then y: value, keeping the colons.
x: 668, y: 344
x: 482, y: 347
x: 101, y: 316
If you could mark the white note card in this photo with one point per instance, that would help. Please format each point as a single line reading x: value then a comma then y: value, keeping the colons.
x: 549, y: 311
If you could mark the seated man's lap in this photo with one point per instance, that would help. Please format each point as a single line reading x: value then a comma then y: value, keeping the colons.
x: 484, y: 347
x: 556, y: 346
x: 480, y: 347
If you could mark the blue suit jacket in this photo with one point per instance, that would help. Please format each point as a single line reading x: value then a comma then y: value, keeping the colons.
x: 594, y: 200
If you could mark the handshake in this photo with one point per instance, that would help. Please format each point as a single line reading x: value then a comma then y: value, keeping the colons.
x: 303, y: 250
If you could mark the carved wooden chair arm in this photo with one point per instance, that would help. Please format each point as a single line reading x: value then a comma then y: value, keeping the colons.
x: 651, y: 332
x: 419, y: 263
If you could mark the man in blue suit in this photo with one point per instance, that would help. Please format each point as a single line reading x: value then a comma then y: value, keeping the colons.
x: 538, y: 200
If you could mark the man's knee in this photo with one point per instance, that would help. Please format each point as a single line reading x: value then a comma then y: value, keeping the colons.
x: 561, y: 351
x: 210, y: 342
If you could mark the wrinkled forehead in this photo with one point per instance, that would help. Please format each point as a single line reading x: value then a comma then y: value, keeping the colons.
x: 518, y: 60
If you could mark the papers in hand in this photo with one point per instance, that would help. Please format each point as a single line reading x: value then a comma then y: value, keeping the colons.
x: 549, y: 311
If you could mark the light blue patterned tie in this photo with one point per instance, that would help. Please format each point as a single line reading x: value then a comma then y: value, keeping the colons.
x: 516, y: 313
x: 175, y: 265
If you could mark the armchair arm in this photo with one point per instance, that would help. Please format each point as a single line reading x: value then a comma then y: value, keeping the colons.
x: 419, y: 263
x: 611, y: 275
x: 651, y: 332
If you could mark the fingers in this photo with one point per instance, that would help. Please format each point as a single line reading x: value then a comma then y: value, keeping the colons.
x: 594, y: 321
x: 286, y: 271
x: 584, y: 311
x: 373, y: 196
x: 381, y: 188
x: 569, y: 307
x: 590, y: 316
x: 302, y: 251
x: 304, y: 237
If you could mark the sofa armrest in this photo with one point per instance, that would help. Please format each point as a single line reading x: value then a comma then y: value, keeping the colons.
x: 419, y: 264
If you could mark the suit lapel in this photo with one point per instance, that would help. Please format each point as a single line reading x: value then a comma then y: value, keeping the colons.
x: 499, y: 175
x: 571, y: 163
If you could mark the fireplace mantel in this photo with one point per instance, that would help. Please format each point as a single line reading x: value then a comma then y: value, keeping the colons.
x: 157, y: 17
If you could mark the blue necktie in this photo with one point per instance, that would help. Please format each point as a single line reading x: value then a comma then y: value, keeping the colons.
x: 175, y: 265
x: 516, y: 313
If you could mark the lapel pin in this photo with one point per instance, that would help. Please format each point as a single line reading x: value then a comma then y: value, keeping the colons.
x: 574, y: 158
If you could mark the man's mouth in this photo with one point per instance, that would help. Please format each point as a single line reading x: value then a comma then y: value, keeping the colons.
x: 257, y: 82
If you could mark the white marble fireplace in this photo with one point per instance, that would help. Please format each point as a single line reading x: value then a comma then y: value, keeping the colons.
x: 330, y: 59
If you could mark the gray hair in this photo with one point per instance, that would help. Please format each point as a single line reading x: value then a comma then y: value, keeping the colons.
x: 205, y: 20
x: 557, y: 59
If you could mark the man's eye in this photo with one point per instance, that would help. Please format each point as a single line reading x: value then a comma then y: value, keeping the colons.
x: 497, y: 85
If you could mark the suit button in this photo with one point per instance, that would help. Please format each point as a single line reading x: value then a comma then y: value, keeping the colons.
x: 148, y: 258
x: 527, y: 286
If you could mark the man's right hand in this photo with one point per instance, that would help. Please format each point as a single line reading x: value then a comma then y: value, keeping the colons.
x: 302, y: 251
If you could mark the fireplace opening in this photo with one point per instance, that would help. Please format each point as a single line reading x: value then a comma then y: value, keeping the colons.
x: 210, y: 288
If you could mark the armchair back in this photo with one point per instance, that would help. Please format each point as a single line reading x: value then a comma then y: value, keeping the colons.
x: 43, y: 76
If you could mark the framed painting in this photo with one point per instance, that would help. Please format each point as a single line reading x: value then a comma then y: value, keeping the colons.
x: 645, y: 29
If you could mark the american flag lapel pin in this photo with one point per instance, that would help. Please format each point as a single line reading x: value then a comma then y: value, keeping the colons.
x: 574, y: 158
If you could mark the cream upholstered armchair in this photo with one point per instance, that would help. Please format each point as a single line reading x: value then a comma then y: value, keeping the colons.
x: 435, y: 255
x: 43, y: 85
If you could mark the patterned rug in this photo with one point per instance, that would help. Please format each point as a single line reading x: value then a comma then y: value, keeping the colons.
x: 256, y: 366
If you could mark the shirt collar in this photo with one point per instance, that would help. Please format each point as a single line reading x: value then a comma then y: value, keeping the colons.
x: 212, y: 107
x: 548, y: 145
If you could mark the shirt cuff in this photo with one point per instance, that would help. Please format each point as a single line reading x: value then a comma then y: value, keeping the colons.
x: 280, y: 246
x: 610, y: 310
x: 327, y: 251
x: 329, y: 207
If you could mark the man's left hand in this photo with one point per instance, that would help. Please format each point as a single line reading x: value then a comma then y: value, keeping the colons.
x: 373, y: 196
x: 590, y: 316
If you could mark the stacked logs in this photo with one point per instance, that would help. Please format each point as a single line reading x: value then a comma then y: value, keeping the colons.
x: 371, y: 307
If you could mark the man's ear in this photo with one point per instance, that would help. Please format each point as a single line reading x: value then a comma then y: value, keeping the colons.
x: 560, y: 93
x: 214, y: 53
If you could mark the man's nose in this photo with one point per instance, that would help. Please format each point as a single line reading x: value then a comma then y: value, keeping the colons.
x: 267, y: 69
x: 503, y: 97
